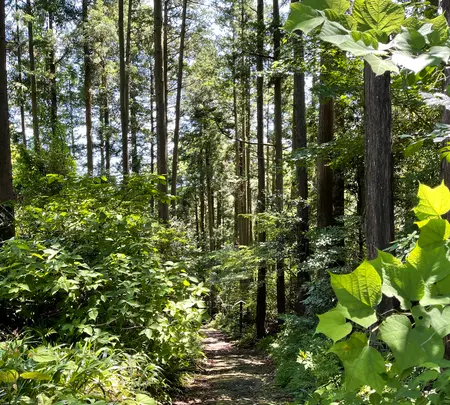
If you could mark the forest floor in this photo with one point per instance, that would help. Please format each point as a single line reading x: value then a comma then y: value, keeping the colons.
x: 232, y: 375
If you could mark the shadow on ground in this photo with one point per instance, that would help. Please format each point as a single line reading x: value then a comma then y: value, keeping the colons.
x: 232, y: 376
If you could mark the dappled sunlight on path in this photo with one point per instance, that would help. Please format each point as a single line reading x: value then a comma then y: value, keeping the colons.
x: 232, y: 376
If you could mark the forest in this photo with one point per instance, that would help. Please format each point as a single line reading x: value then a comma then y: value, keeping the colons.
x: 278, y: 171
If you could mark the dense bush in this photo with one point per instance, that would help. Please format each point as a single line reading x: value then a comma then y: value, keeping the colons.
x: 92, y: 266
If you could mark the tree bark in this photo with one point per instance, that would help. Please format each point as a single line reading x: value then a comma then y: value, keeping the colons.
x: 445, y: 4
x: 324, y: 171
x: 161, y: 117
x: 209, y: 193
x: 53, y: 88
x: 88, y: 92
x: 6, y: 186
x: 278, y: 129
x: 379, y: 202
x: 261, y: 294
x: 176, y: 133
x: 19, y: 68
x: 34, y: 104
x: 123, y: 91
x: 299, y: 140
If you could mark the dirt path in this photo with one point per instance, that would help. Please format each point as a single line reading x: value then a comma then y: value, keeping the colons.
x: 232, y: 376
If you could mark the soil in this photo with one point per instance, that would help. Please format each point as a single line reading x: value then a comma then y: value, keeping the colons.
x: 232, y: 375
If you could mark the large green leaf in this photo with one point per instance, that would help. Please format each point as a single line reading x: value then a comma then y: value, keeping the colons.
x: 379, y: 65
x: 432, y: 264
x: 333, y: 325
x: 433, y: 233
x: 359, y: 292
x: 8, y: 376
x: 435, y: 318
x: 339, y: 6
x: 303, y: 18
x: 433, y: 202
x: 379, y: 15
x: 411, y: 346
x: 403, y: 282
x: 362, y: 363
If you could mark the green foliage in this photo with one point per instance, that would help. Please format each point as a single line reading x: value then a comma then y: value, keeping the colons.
x: 418, y: 43
x: 93, y: 266
x: 82, y: 374
x: 413, y: 334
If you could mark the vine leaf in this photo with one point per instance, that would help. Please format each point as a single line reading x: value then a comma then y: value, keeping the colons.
x: 432, y: 264
x: 333, y: 325
x: 359, y: 292
x: 433, y: 202
x: 339, y: 6
x: 411, y: 347
x: 379, y: 15
x: 363, y: 364
x: 433, y: 318
x: 303, y: 18
x: 433, y: 233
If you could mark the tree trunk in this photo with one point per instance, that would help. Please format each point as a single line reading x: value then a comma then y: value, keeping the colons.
x: 324, y: 171
x: 88, y: 92
x: 161, y: 117
x: 152, y: 129
x: 299, y: 140
x: 123, y: 91
x: 53, y: 88
x: 176, y: 133
x: 261, y: 302
x: 278, y: 129
x: 19, y: 68
x: 134, y: 126
x: 379, y: 204
x: 6, y: 187
x: 209, y: 193
x: 34, y: 104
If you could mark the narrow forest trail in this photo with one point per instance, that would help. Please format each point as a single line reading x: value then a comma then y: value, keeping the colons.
x: 231, y: 375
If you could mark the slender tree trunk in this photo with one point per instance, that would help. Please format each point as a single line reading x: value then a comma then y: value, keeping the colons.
x: 278, y: 129
x: 201, y: 168
x: 123, y: 91
x: 134, y: 126
x: 6, y: 187
x: 53, y: 87
x: 19, y: 68
x: 88, y: 92
x: 299, y: 140
x: 152, y: 129
x: 248, y: 208
x: 176, y: 133
x: 166, y: 51
x: 107, y: 128
x: 379, y: 206
x: 161, y: 117
x: 324, y: 171
x: 261, y: 303
x: 34, y: 104
x: 209, y: 193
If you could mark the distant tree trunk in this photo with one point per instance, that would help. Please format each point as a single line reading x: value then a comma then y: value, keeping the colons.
x: 134, y: 127
x: 123, y: 91
x: 299, y: 140
x: 19, y: 68
x: 209, y: 193
x: 324, y: 171
x: 6, y: 187
x: 261, y: 303
x: 176, y: 133
x: 32, y: 74
x: 201, y: 169
x: 248, y: 208
x: 161, y: 117
x: 166, y: 51
x: 88, y: 92
x: 379, y: 204
x: 107, y: 128
x: 53, y: 88
x: 278, y: 129
x: 237, y: 195
x: 152, y: 129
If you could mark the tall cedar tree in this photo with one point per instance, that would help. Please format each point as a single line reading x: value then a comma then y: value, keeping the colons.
x: 261, y: 304
x: 88, y: 90
x: 32, y: 74
x: 299, y: 140
x: 278, y: 129
x: 123, y: 91
x: 6, y: 187
x: 161, y: 112
x: 20, y: 78
x: 176, y: 133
